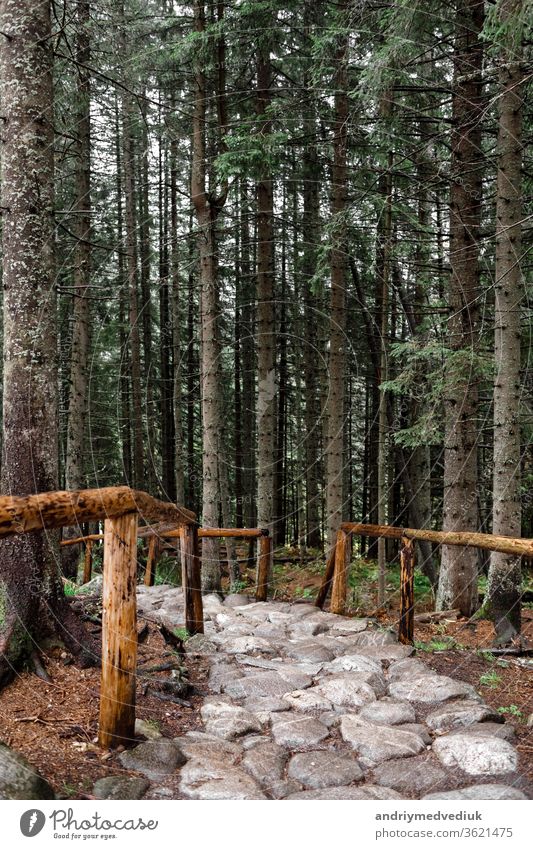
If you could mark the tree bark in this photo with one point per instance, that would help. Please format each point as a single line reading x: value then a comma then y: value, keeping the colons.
x: 459, y: 568
x: 505, y: 576
x: 30, y: 584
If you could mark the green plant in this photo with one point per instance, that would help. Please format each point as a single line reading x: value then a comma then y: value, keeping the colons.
x: 182, y: 634
x: 511, y: 710
x: 486, y: 655
x: 490, y: 679
x: 70, y: 588
x: 304, y: 592
x: 238, y: 586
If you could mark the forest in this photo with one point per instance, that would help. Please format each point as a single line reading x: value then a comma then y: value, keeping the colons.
x: 270, y: 261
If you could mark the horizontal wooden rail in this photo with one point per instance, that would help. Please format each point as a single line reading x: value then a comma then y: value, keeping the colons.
x: 489, y: 542
x: 48, y: 510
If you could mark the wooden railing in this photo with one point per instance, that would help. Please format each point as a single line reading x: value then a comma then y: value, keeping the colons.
x: 335, y: 576
x: 120, y: 508
x: 156, y: 534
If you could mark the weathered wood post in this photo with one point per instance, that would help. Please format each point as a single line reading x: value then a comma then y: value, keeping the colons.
x: 149, y: 575
x: 119, y: 632
x: 326, y: 581
x: 263, y: 567
x: 407, y: 592
x: 191, y: 579
x: 88, y: 562
x: 340, y: 575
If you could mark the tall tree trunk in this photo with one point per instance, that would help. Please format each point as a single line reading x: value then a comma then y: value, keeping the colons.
x: 177, y: 395
x: 30, y: 584
x: 77, y: 448
x: 165, y: 339
x: 266, y: 374
x: 124, y: 376
x: 504, y: 585
x: 459, y: 566
x: 337, y: 340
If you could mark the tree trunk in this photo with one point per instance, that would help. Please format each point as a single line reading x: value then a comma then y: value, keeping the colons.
x: 30, y: 584
x: 504, y: 585
x: 459, y: 569
x: 177, y: 395
x: 337, y: 355
x: 266, y: 374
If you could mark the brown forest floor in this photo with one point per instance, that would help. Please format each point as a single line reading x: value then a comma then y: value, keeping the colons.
x: 55, y: 725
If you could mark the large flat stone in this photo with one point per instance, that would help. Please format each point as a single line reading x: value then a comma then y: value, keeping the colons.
x: 217, y: 780
x: 420, y: 776
x: 476, y: 754
x: 379, y: 743
x: 368, y: 791
x: 348, y: 626
x: 307, y: 700
x: 228, y: 721
x: 295, y: 730
x: 388, y: 712
x: 374, y: 638
x: 323, y: 768
x: 431, y: 689
x: 312, y: 651
x: 154, y: 759
x: 349, y: 689
x: 504, y: 730
x: 260, y: 684
x: 221, y: 674
x: 456, y: 714
x: 387, y: 651
x: 410, y: 667
x: 353, y: 663
x: 246, y: 645
x: 206, y: 748
x: 266, y: 764
x: 480, y: 792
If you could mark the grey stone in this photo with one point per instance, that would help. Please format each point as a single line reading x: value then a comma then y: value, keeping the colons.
x: 147, y: 729
x: 221, y: 674
x: 227, y: 720
x: 379, y: 743
x: 307, y: 700
x: 431, y: 689
x: 252, y: 740
x: 348, y: 626
x: 459, y: 713
x: 331, y: 719
x: 309, y: 650
x: 416, y: 778
x: 505, y: 730
x: 368, y: 791
x: 120, y: 787
x: 283, y: 788
x: 266, y: 764
x: 217, y: 780
x: 317, y: 623
x: 349, y: 689
x: 200, y: 644
x: 417, y: 728
x: 374, y: 638
x: 206, y: 748
x: 247, y: 645
x: 480, y: 792
x: 236, y: 600
x: 353, y: 663
x: 266, y: 704
x: 295, y: 731
x: 260, y: 684
x: 324, y: 769
x: 411, y: 667
x: 153, y: 759
x: 476, y: 754
x: 388, y: 712
x: 270, y: 631
x: 19, y: 779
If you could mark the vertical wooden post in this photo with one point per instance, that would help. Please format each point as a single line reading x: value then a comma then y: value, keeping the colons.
x: 191, y: 579
x: 119, y: 632
x: 88, y: 562
x: 407, y: 592
x: 149, y: 575
x: 326, y: 581
x: 265, y: 557
x: 340, y: 575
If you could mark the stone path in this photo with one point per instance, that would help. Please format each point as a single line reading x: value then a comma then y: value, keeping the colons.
x: 310, y: 705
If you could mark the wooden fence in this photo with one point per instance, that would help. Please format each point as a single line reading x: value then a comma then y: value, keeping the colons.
x: 336, y: 574
x: 120, y: 508
x: 156, y: 534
